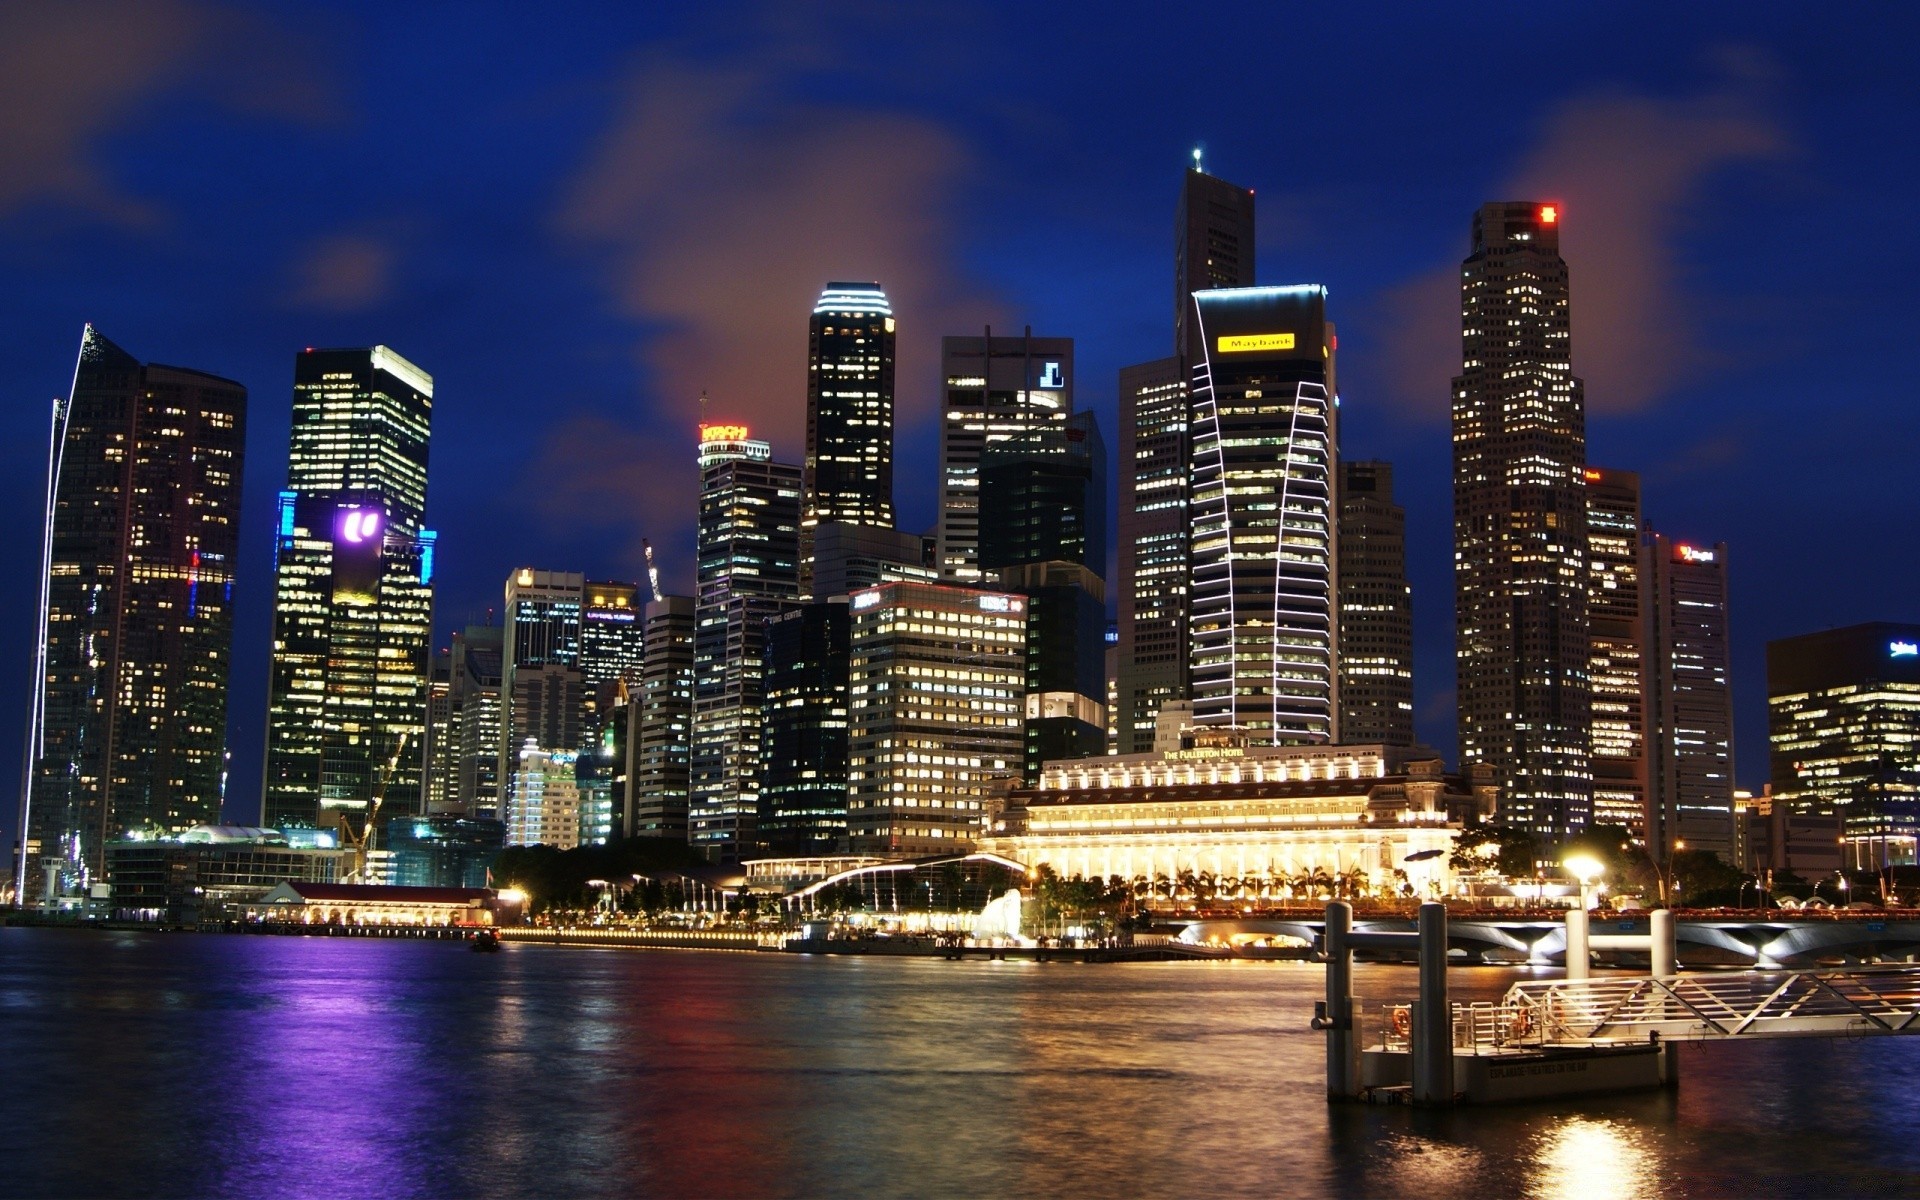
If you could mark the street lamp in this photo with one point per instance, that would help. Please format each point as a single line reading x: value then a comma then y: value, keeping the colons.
x: 1586, y: 868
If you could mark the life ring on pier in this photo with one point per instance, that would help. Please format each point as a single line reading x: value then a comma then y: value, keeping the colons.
x: 1519, y: 1025
x: 1403, y: 1022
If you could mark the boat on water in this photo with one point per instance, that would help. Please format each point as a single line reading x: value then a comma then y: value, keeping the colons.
x: 485, y: 941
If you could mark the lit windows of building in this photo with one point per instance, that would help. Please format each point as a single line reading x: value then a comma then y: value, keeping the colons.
x: 1616, y: 615
x: 1843, y: 721
x: 128, y: 714
x: 848, y: 473
x: 1689, y: 697
x: 543, y: 799
x: 748, y: 571
x: 936, y: 693
x: 1521, y: 646
x: 1263, y: 619
x: 1259, y: 816
x: 996, y: 389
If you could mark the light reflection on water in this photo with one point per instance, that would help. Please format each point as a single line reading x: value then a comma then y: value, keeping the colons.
x: 183, y: 1065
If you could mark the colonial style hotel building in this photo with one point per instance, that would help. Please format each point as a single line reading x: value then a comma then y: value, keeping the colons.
x: 1267, y: 813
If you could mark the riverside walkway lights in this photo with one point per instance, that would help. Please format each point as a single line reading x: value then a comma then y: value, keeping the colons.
x: 1586, y: 868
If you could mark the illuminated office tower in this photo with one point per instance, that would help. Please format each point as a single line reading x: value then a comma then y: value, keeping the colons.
x: 936, y: 694
x: 848, y: 474
x: 1519, y: 525
x: 129, y: 705
x: 475, y: 701
x: 660, y: 741
x: 1616, y: 668
x: 996, y: 388
x: 1843, y: 723
x: 1213, y: 248
x: 612, y: 633
x: 542, y: 686
x: 543, y: 799
x: 1376, y: 610
x: 748, y: 571
x: 353, y: 600
x: 442, y: 752
x: 1689, y: 703
x: 803, y: 794
x: 1263, y: 600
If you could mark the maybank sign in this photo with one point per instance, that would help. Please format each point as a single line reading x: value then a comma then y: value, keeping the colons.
x: 1240, y: 343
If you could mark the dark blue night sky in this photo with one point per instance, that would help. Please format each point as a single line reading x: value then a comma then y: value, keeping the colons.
x: 577, y: 218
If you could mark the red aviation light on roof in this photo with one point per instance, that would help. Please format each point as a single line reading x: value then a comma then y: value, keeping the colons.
x: 1549, y: 213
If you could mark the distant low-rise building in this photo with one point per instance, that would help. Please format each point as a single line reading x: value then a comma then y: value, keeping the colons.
x: 374, y: 904
x: 210, y: 870
x: 1272, y: 814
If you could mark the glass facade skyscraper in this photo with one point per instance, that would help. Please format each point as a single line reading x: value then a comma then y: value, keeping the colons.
x: 1617, y: 660
x: 1520, y: 524
x: 848, y: 473
x: 1213, y: 247
x: 353, y: 599
x: 129, y: 710
x: 1843, y: 720
x: 1263, y: 624
x: 996, y: 389
x: 1689, y: 692
x: 748, y: 571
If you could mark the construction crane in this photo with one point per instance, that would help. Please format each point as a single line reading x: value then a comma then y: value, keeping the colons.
x: 653, y: 572
x: 362, y: 844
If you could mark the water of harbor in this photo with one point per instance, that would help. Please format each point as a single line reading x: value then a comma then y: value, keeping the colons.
x: 142, y: 1064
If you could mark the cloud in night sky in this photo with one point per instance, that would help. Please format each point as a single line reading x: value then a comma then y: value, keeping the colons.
x: 73, y: 74
x: 344, y: 273
x: 722, y: 202
x: 1626, y: 168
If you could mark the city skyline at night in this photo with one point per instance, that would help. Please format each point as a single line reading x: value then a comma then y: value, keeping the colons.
x: 1730, y: 104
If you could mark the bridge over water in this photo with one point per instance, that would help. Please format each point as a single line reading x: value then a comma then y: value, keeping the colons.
x: 1760, y: 940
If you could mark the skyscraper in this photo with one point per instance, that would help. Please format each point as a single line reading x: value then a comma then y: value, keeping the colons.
x: 997, y: 388
x: 475, y: 701
x: 1519, y: 524
x: 1213, y: 248
x: 803, y: 796
x: 1689, y: 702
x: 936, y: 695
x: 848, y: 474
x: 660, y: 734
x: 1843, y: 721
x: 129, y: 708
x: 1263, y: 439
x: 1616, y: 668
x: 1376, y: 609
x: 749, y: 553
x: 353, y: 601
x: 542, y: 687
x: 1043, y: 534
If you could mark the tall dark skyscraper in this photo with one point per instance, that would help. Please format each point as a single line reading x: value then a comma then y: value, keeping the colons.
x: 129, y: 707
x: 804, y: 735
x: 1213, y: 248
x: 1617, y: 660
x: 1520, y: 524
x: 353, y: 600
x: 1043, y: 533
x: 1689, y: 692
x: 1263, y: 604
x: 997, y: 389
x: 1843, y: 723
x: 749, y: 552
x: 1376, y: 609
x: 848, y: 473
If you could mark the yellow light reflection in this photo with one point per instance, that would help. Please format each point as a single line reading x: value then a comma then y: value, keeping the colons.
x: 1583, y: 1159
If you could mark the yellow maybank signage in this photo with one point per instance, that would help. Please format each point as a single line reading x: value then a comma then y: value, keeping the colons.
x: 1256, y: 341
